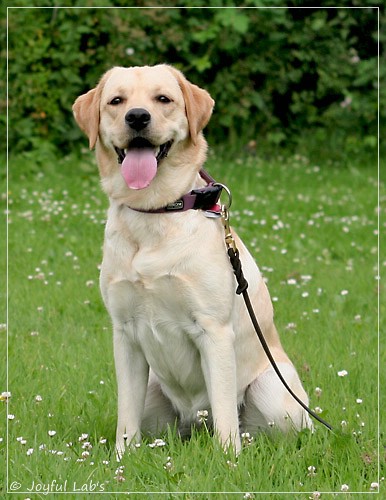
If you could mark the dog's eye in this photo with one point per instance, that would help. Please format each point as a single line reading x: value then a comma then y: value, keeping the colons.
x: 163, y: 99
x: 115, y: 101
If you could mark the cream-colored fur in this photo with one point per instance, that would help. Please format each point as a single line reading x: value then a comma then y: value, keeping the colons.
x: 183, y: 341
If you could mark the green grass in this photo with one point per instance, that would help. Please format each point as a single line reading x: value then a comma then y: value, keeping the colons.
x: 311, y: 225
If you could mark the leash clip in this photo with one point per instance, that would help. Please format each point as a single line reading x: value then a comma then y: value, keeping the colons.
x: 229, y: 240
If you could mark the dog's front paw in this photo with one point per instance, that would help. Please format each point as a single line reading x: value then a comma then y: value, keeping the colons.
x: 124, y: 441
x: 119, y: 451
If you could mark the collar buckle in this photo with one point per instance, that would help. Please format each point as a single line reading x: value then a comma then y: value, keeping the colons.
x: 207, y: 197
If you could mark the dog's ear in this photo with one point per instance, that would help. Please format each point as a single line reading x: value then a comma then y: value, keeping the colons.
x: 86, y: 111
x: 86, y: 114
x: 198, y: 104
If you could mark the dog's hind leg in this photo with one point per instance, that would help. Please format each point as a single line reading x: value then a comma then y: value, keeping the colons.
x: 268, y: 404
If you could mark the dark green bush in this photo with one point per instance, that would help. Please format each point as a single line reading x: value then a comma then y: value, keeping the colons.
x: 274, y: 72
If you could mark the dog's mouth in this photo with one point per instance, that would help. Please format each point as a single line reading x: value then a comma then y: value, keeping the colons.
x: 139, y: 161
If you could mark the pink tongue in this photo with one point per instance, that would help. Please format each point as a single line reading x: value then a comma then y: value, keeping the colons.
x: 139, y: 168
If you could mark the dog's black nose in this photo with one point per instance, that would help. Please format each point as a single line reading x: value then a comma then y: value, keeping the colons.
x: 138, y: 118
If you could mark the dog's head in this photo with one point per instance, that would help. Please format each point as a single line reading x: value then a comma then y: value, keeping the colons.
x: 144, y: 117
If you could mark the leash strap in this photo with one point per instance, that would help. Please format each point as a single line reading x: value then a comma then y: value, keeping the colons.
x: 234, y: 258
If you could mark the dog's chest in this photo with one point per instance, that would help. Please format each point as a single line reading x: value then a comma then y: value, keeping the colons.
x: 152, y: 294
x: 153, y: 300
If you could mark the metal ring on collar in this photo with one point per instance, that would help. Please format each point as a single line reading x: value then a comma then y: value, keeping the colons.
x: 228, y: 192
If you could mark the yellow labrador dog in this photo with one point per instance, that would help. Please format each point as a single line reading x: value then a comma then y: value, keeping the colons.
x: 183, y: 341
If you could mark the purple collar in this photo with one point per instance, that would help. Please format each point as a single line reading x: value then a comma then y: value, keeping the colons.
x: 205, y: 198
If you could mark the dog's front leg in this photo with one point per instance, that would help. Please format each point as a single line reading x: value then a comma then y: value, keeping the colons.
x: 219, y: 368
x: 132, y: 376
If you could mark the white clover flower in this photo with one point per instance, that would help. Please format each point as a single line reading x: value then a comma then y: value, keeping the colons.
x: 169, y: 464
x: 38, y: 398
x: 246, y: 438
x: 359, y: 401
x: 51, y: 433
x: 291, y: 326
x: 344, y: 487
x: 374, y: 486
x: 311, y: 470
x: 318, y: 391
x: 11, y: 417
x: 119, y: 474
x: 202, y: 416
x: 30, y: 451
x: 342, y: 373
x: 5, y: 396
x: 157, y: 443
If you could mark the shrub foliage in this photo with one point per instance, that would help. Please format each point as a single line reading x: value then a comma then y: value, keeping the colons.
x: 274, y: 72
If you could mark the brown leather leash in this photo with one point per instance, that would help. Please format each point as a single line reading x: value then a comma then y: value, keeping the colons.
x: 234, y: 258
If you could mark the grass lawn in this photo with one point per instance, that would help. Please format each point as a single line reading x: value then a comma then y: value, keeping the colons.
x: 311, y: 223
